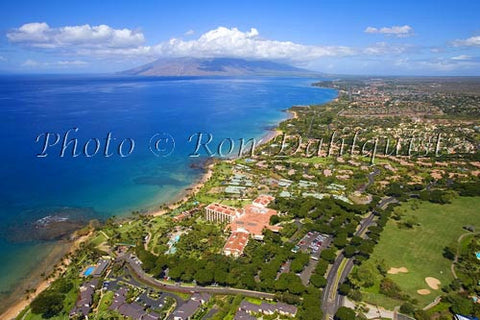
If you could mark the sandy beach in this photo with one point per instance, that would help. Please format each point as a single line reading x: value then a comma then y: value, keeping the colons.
x: 36, y: 281
x: 185, y: 194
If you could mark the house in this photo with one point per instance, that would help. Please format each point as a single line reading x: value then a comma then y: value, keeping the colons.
x: 243, y: 315
x: 186, y: 310
x: 101, y: 266
x: 119, y: 298
x: 132, y: 310
x: 83, y: 305
x: 268, y: 309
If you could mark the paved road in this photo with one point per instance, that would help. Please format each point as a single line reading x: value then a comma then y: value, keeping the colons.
x: 342, y: 266
x: 371, y: 178
x: 331, y: 300
x: 136, y: 268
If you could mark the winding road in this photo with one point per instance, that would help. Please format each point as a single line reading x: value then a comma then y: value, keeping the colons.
x: 135, y: 267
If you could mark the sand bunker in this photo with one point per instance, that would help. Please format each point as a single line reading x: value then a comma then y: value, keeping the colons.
x: 423, y: 292
x: 397, y: 270
x: 433, y: 283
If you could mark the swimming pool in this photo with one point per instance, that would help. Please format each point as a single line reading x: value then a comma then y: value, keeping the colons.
x: 89, y: 271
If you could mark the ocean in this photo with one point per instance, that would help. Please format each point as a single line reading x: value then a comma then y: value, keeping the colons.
x: 146, y: 162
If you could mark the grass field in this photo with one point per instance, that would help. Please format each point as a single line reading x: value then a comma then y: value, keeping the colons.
x: 420, y: 248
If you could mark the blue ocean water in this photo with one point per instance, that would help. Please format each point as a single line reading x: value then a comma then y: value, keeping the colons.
x: 128, y: 108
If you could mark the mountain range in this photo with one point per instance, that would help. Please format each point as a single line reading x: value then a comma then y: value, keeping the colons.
x: 216, y: 67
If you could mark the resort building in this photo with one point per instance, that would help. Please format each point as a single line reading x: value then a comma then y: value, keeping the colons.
x: 253, y: 220
x: 236, y: 243
x: 220, y: 212
x: 263, y: 200
x: 243, y: 223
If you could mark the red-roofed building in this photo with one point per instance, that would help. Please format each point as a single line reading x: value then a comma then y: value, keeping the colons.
x: 236, y: 243
x: 254, y: 220
x: 263, y: 200
x: 246, y: 222
x: 220, y: 212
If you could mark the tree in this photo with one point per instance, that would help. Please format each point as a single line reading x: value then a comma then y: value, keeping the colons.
x: 329, y: 255
x: 318, y: 280
x: 48, y: 304
x: 310, y: 308
x: 344, y: 313
x: 299, y: 262
x: 340, y: 240
x: 349, y: 251
x: 407, y: 308
x: 204, y: 277
x: 290, y: 282
x: 344, y: 289
x: 460, y: 304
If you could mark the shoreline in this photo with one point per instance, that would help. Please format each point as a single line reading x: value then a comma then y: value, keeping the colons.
x: 187, y: 192
x: 183, y: 195
x: 58, y: 257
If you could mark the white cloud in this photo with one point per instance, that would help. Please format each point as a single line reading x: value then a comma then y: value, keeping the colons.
x: 2, y: 58
x: 470, y: 42
x: 189, y: 32
x: 398, y: 31
x: 30, y: 63
x: 462, y: 57
x: 384, y: 48
x: 41, y: 35
x: 231, y: 42
x: 71, y: 63
x: 437, y: 64
x: 105, y: 42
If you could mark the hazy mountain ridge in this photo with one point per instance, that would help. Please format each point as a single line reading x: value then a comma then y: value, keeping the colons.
x: 216, y: 67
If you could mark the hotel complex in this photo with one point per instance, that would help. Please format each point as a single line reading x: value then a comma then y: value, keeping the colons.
x: 243, y: 223
x: 221, y: 213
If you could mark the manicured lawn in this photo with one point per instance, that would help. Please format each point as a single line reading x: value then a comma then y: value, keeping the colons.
x: 105, y: 302
x: 420, y: 249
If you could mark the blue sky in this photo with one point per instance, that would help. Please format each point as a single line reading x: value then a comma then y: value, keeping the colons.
x: 349, y: 37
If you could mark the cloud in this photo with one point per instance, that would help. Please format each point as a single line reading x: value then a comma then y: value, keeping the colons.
x: 30, y: 63
x: 384, y: 48
x: 462, y: 57
x: 189, y: 32
x: 397, y: 31
x: 71, y: 63
x: 41, y: 35
x: 3, y: 59
x: 438, y: 64
x: 231, y: 42
x: 470, y: 42
x: 105, y: 42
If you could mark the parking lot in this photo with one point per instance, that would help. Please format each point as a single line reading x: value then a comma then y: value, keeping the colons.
x: 313, y: 242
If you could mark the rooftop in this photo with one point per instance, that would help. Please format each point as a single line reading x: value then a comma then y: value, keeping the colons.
x: 231, y: 211
x: 236, y: 243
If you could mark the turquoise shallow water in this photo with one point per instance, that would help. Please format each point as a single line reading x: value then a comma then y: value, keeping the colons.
x: 129, y: 108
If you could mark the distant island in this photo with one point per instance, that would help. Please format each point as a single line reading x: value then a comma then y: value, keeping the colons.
x: 216, y: 67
